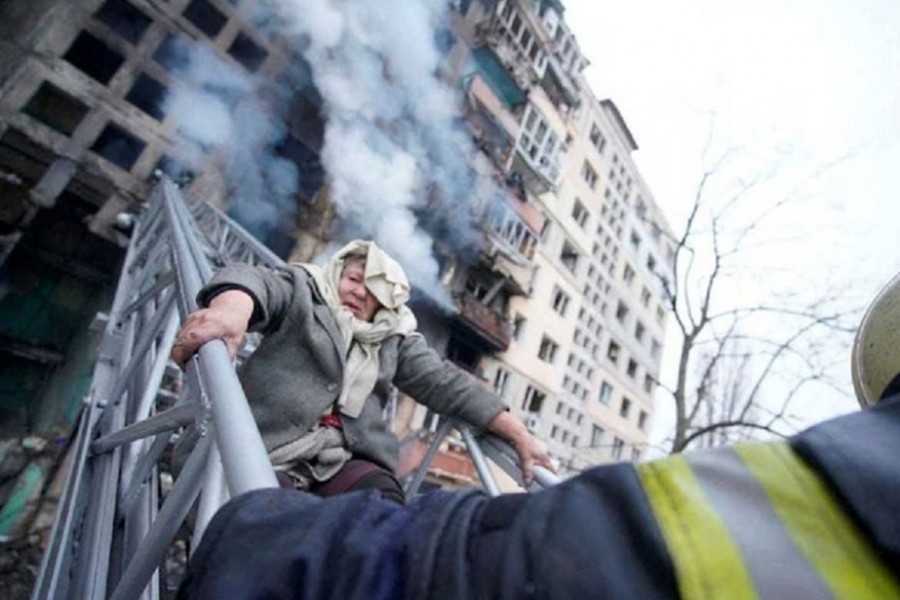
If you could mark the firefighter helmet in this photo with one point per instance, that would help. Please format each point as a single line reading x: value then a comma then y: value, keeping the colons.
x: 875, y: 357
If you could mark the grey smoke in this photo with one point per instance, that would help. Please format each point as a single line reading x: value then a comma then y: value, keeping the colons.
x: 220, y: 107
x: 395, y: 153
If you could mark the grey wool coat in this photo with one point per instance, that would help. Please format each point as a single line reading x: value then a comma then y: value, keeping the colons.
x: 295, y: 374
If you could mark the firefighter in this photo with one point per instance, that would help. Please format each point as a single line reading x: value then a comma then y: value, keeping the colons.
x: 814, y: 516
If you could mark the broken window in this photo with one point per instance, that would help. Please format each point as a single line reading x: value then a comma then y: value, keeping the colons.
x: 148, y: 95
x: 93, y: 57
x: 118, y: 146
x: 55, y: 108
x: 205, y: 17
x: 247, y: 52
x: 125, y: 19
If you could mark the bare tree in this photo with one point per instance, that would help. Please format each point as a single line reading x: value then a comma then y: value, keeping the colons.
x: 742, y: 360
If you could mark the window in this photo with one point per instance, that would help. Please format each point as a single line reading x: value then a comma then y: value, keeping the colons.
x: 205, y: 17
x: 501, y: 377
x: 606, y: 393
x: 93, y: 57
x: 118, y: 146
x: 628, y: 274
x: 660, y: 315
x: 655, y: 349
x: 639, y: 331
x: 547, y: 351
x: 56, y: 109
x: 560, y: 301
x: 148, y: 95
x: 579, y: 213
x: 518, y: 326
x: 632, y: 368
x: 612, y: 352
x: 621, y: 312
x: 597, y: 139
x: 589, y: 175
x: 534, y: 400
x: 648, y: 383
x: 635, y: 454
x: 539, y: 142
x: 124, y: 18
x: 645, y: 296
x: 247, y: 52
x: 596, y: 436
x: 554, y: 431
x: 651, y: 263
x: 642, y: 420
x: 618, y: 446
x: 569, y: 256
x: 625, y: 408
x: 635, y: 240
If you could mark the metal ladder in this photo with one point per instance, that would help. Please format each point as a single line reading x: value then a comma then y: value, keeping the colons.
x: 112, y: 530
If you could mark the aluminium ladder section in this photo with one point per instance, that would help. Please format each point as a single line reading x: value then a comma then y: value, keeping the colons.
x: 111, y: 533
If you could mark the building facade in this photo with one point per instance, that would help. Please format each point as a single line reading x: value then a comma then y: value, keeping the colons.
x: 558, y: 308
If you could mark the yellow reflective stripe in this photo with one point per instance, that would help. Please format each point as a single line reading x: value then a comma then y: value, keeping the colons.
x: 707, y: 562
x: 817, y: 524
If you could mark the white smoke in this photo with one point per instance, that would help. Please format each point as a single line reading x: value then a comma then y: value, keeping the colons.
x: 395, y: 155
x: 393, y: 151
x: 220, y: 107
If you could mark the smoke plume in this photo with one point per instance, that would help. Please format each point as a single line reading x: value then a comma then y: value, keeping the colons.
x: 395, y: 154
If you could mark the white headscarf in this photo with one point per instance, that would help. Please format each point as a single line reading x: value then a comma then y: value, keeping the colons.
x: 384, y: 277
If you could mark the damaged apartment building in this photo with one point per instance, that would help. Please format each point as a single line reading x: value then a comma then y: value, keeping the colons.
x: 559, y: 307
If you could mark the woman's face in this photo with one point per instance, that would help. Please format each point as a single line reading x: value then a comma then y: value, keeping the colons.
x: 354, y: 294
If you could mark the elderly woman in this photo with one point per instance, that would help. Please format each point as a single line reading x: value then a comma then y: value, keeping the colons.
x: 336, y: 339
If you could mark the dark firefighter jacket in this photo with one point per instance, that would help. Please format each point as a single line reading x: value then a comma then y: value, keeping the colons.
x: 813, y: 517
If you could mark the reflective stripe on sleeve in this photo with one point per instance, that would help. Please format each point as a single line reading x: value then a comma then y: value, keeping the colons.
x: 707, y: 562
x: 756, y: 521
x: 817, y: 524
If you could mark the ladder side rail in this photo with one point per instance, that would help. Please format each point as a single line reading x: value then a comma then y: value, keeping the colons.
x: 246, y: 462
x: 58, y: 556
x: 145, y: 386
x: 504, y: 455
x: 91, y: 577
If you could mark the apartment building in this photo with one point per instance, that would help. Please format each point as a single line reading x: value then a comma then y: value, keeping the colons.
x: 586, y: 344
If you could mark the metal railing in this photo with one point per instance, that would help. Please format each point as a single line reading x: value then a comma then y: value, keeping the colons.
x: 117, y: 517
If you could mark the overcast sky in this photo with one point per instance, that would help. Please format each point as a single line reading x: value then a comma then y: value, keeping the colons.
x: 809, y: 82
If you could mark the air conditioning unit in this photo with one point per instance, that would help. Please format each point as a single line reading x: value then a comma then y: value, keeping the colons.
x: 533, y: 423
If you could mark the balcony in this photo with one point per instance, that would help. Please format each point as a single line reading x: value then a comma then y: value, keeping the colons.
x: 489, y: 325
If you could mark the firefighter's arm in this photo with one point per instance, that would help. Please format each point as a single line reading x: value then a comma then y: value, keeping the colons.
x: 226, y: 318
x: 529, y: 449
